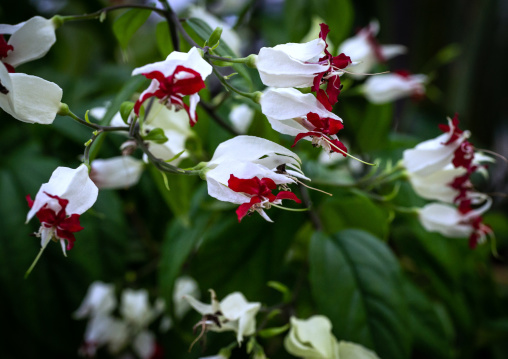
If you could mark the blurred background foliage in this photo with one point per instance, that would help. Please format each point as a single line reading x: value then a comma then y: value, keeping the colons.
x: 384, y: 282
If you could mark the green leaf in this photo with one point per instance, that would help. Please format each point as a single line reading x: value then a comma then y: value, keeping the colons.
x: 213, y: 40
x: 126, y: 25
x: 178, y: 242
x: 204, y: 32
x: 375, y: 127
x: 164, y: 43
x: 297, y: 19
x: 156, y: 135
x: 125, y: 110
x: 338, y: 15
x: 357, y: 283
x: 354, y: 210
x: 272, y: 332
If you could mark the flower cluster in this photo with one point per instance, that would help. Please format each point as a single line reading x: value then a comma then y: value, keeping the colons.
x: 301, y: 115
x: 440, y: 169
x: 118, y: 335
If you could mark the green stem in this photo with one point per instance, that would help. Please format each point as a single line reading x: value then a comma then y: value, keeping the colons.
x: 29, y: 270
x: 65, y: 111
x: 254, y: 96
x: 97, y: 14
x: 88, y: 145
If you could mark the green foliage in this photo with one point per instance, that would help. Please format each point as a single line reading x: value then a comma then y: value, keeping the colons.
x: 357, y: 283
x: 128, y: 23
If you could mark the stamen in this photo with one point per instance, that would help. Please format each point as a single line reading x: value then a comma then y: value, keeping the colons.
x: 291, y: 209
x: 347, y: 154
x: 493, y: 153
x: 303, y: 184
x: 365, y: 74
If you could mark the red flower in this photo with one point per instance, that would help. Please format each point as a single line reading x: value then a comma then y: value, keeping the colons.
x: 171, y: 89
x: 329, y: 96
x: 63, y: 226
x: 260, y: 191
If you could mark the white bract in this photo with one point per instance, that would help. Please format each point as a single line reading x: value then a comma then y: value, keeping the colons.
x: 99, y: 300
x: 65, y: 184
x: 241, y: 117
x: 233, y: 313
x: 437, y: 185
x: 364, y: 50
x: 184, y: 285
x: 175, y: 125
x: 431, y: 155
x: 291, y: 65
x: 313, y: 339
x: 136, y: 309
x: 390, y: 87
x: 29, y: 98
x: 30, y: 40
x: 116, y: 172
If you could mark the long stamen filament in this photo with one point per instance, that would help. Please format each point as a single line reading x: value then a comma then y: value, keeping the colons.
x: 493, y: 153
x: 315, y: 189
x: 347, y: 154
x: 290, y: 209
x: 365, y: 74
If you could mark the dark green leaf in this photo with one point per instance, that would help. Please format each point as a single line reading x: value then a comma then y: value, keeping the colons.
x: 156, y: 135
x: 357, y: 283
x: 375, y: 127
x: 338, y: 15
x: 164, y: 43
x: 128, y: 23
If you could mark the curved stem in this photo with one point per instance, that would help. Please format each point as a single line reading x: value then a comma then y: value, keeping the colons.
x: 250, y: 95
x: 97, y: 14
x: 94, y: 125
x: 88, y: 145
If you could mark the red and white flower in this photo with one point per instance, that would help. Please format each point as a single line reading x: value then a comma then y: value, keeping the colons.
x: 293, y: 113
x: 304, y: 65
x: 390, y: 87
x: 181, y: 74
x: 29, y: 40
x: 59, y: 204
x: 365, y: 51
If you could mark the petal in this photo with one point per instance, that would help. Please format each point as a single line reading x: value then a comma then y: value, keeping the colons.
x: 245, y: 207
x: 31, y: 98
x: 31, y: 41
x: 248, y: 185
x: 348, y: 350
x: 391, y: 87
x: 288, y: 195
x: 444, y: 219
x: 73, y: 185
x: 116, y: 172
x: 202, y: 308
x: 223, y: 193
x: 311, y: 338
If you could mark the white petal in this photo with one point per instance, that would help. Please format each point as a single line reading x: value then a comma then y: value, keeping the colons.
x: 251, y: 148
x: 99, y: 299
x: 354, y: 351
x: 224, y: 193
x: 241, y: 117
x: 390, y: 51
x: 282, y: 106
x: 31, y: 41
x: 202, y: 308
x: 144, y: 344
x: 444, y: 219
x: 436, y: 186
x: 135, y: 307
x: 289, y: 65
x: 31, y: 99
x: 192, y: 60
x: 311, y: 338
x: 73, y: 185
x: 390, y: 87
x: 116, y: 172
x: 184, y: 285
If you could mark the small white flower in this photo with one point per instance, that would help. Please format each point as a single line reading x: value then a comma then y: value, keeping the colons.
x: 184, y: 285
x: 60, y: 202
x: 99, y: 300
x: 116, y: 172
x: 241, y: 117
x: 364, y: 50
x: 232, y: 313
x: 136, y: 309
x: 390, y: 87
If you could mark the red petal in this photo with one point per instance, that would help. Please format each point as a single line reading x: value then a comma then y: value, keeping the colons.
x: 341, y: 61
x: 244, y: 208
x: 323, y: 98
x: 317, y: 82
x: 339, y: 145
x: 68, y: 236
x: 288, y: 195
x: 46, y: 215
x: 71, y: 224
x: 334, y: 126
x: 324, y: 31
x: 29, y: 200
x: 333, y: 90
x: 304, y: 134
x: 268, y: 182
x: 250, y: 186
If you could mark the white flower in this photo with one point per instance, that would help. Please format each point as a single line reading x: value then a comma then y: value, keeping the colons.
x: 99, y: 300
x: 29, y: 40
x: 136, y: 309
x: 29, y: 98
x: 241, y: 117
x: 184, y: 285
x: 291, y: 65
x: 179, y: 75
x: 293, y: 113
x: 104, y: 330
x: 175, y: 125
x: 313, y: 339
x: 390, y: 87
x: 431, y: 155
x: 233, y: 313
x: 364, y: 50
x: 437, y: 185
x: 60, y: 202
x: 116, y: 172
